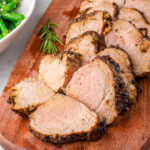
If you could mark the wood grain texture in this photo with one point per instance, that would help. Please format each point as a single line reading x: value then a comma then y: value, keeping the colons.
x: 130, y: 132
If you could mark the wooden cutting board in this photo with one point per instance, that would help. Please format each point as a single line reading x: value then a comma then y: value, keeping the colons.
x: 130, y: 132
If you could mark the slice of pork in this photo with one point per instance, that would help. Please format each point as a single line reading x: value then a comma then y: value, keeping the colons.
x: 99, y: 86
x: 122, y: 58
x: 57, y: 70
x: 96, y: 3
x: 141, y: 5
x: 97, y: 21
x: 135, y: 17
x: 120, y: 3
x: 88, y: 45
x: 111, y: 8
x: 64, y: 120
x: 127, y: 37
x: 28, y: 95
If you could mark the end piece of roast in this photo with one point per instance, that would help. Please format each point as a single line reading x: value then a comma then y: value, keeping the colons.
x: 89, y: 7
x: 99, y: 86
x: 29, y: 94
x: 98, y: 21
x: 88, y: 45
x: 64, y: 120
x: 127, y: 37
x: 57, y: 70
x: 122, y: 58
x: 136, y: 18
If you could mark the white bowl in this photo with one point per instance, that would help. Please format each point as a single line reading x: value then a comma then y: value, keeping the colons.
x: 26, y: 7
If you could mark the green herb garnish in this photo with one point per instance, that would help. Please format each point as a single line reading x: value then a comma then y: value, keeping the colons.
x: 49, y: 38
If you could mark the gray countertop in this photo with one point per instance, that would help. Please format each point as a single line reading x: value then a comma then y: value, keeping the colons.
x: 10, y: 56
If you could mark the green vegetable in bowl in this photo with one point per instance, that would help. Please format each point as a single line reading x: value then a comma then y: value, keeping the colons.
x: 9, y: 20
x: 7, y: 7
x: 3, y: 28
x: 1, y: 36
x: 12, y: 16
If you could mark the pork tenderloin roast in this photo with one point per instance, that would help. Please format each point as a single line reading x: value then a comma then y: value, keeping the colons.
x: 99, y: 86
x: 88, y: 45
x: 127, y: 37
x: 98, y: 21
x: 57, y: 70
x: 96, y: 83
x: 136, y: 18
x: 141, y: 5
x: 97, y: 3
x: 28, y: 95
x: 64, y: 120
x: 88, y: 7
x: 122, y: 58
x: 120, y: 3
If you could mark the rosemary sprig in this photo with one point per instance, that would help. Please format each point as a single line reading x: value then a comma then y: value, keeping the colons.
x: 49, y: 38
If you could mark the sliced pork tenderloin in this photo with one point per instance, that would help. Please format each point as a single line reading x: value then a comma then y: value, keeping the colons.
x: 57, y: 70
x: 122, y: 58
x: 88, y: 45
x: 135, y: 17
x: 99, y: 86
x: 29, y: 94
x: 127, y: 37
x: 97, y: 21
x: 109, y: 7
x: 64, y: 120
x: 141, y: 5
x: 120, y: 3
x: 97, y: 3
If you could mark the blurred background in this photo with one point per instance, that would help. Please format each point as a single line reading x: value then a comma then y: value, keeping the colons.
x: 10, y: 56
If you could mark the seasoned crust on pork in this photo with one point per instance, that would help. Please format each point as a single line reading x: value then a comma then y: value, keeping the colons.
x: 88, y: 45
x: 122, y: 58
x: 95, y: 3
x: 122, y: 98
x: 57, y: 70
x: 109, y: 7
x: 98, y: 21
x: 28, y: 95
x: 65, y: 120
